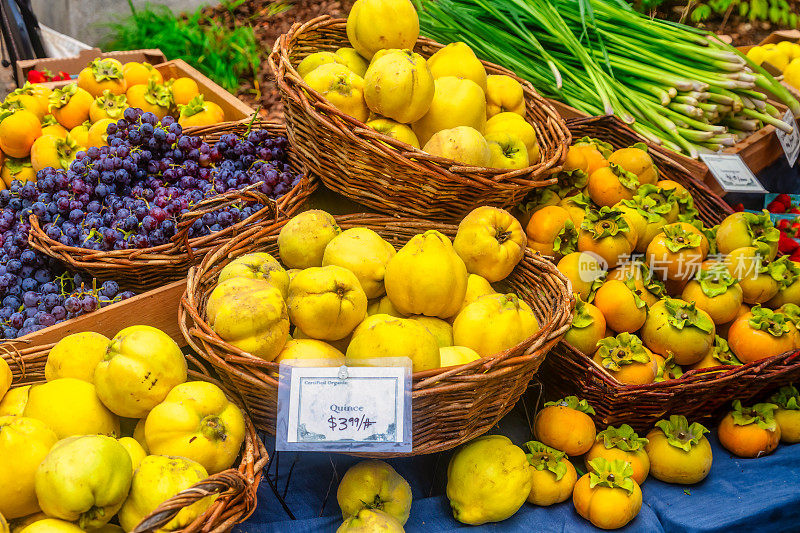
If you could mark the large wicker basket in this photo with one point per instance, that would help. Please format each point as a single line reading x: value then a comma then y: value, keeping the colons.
x: 236, y: 486
x: 450, y: 406
x: 391, y: 176
x: 698, y: 394
x: 144, y: 269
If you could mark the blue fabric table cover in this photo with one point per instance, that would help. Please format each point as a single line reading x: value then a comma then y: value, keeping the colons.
x: 739, y: 495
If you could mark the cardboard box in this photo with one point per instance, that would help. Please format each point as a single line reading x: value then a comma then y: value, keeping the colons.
x: 235, y: 110
x: 73, y: 65
x: 157, y: 308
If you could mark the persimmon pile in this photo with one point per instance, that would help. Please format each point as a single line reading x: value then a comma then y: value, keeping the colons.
x: 659, y: 292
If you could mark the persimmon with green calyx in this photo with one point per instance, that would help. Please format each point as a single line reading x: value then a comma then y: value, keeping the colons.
x: 716, y: 292
x: 653, y: 215
x: 576, y: 206
x: 594, y: 151
x: 50, y: 126
x: 587, y: 329
x: 151, y: 98
x: 761, y: 333
x: 621, y: 304
x: 70, y: 105
x: 666, y: 368
x: 552, y: 474
x: 750, y: 432
x: 787, y: 415
x: 571, y: 180
x: 566, y: 425
x: 537, y: 199
x: 50, y: 151
x: 199, y: 112
x: 679, y: 452
x: 787, y: 273
x: 636, y: 160
x: 103, y: 75
x: 666, y: 199
x: 17, y: 169
x: 650, y: 288
x: 18, y: 132
x: 676, y: 252
x: 719, y: 354
x: 585, y: 271
x: 108, y: 105
x: 606, y: 233
x: 741, y: 230
x: 755, y: 274
x: 611, y: 184
x: 678, y: 327
x: 551, y: 232
x: 622, y: 444
x: 607, y: 496
x: 626, y: 359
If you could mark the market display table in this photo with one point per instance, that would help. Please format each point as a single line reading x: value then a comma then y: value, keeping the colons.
x: 738, y: 495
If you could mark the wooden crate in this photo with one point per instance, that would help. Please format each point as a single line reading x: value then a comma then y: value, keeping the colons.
x: 73, y: 65
x: 157, y: 308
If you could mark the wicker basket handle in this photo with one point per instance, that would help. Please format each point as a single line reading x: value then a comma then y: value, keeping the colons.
x: 251, y: 193
x: 219, y: 483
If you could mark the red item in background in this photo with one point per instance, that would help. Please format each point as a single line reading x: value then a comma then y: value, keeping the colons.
x: 785, y: 199
x: 776, y: 207
x: 787, y: 245
x: 738, y: 207
x: 34, y: 76
x: 64, y: 75
x: 783, y: 224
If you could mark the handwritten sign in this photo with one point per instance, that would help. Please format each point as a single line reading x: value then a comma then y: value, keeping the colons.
x: 790, y: 141
x: 732, y: 174
x: 346, y: 409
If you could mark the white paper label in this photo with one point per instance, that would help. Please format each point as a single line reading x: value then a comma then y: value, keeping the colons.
x: 790, y: 141
x: 345, y: 409
x: 732, y: 174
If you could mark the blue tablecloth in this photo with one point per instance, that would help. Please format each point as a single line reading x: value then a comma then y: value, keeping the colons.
x: 739, y: 495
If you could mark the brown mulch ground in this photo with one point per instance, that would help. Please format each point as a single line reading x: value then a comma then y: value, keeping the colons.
x: 271, y: 18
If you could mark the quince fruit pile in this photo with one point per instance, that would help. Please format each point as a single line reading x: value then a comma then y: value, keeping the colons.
x: 785, y: 56
x: 446, y: 104
x: 115, y: 430
x: 338, y: 297
x: 42, y: 127
x: 660, y: 293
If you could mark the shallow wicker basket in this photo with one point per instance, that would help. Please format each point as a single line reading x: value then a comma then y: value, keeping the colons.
x: 147, y: 268
x: 236, y: 486
x: 698, y: 394
x: 391, y: 176
x: 450, y: 406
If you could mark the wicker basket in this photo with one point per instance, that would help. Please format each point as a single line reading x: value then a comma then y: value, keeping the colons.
x: 698, y: 394
x: 147, y: 268
x: 391, y: 176
x: 450, y: 406
x: 236, y: 486
x: 711, y: 208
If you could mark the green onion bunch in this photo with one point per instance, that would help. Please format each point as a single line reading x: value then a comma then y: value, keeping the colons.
x: 675, y: 85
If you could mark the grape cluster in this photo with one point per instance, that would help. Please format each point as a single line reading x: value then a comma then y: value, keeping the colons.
x: 129, y: 194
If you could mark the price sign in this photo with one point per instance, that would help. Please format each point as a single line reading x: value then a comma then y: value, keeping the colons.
x: 345, y: 409
x: 790, y: 141
x: 732, y: 174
